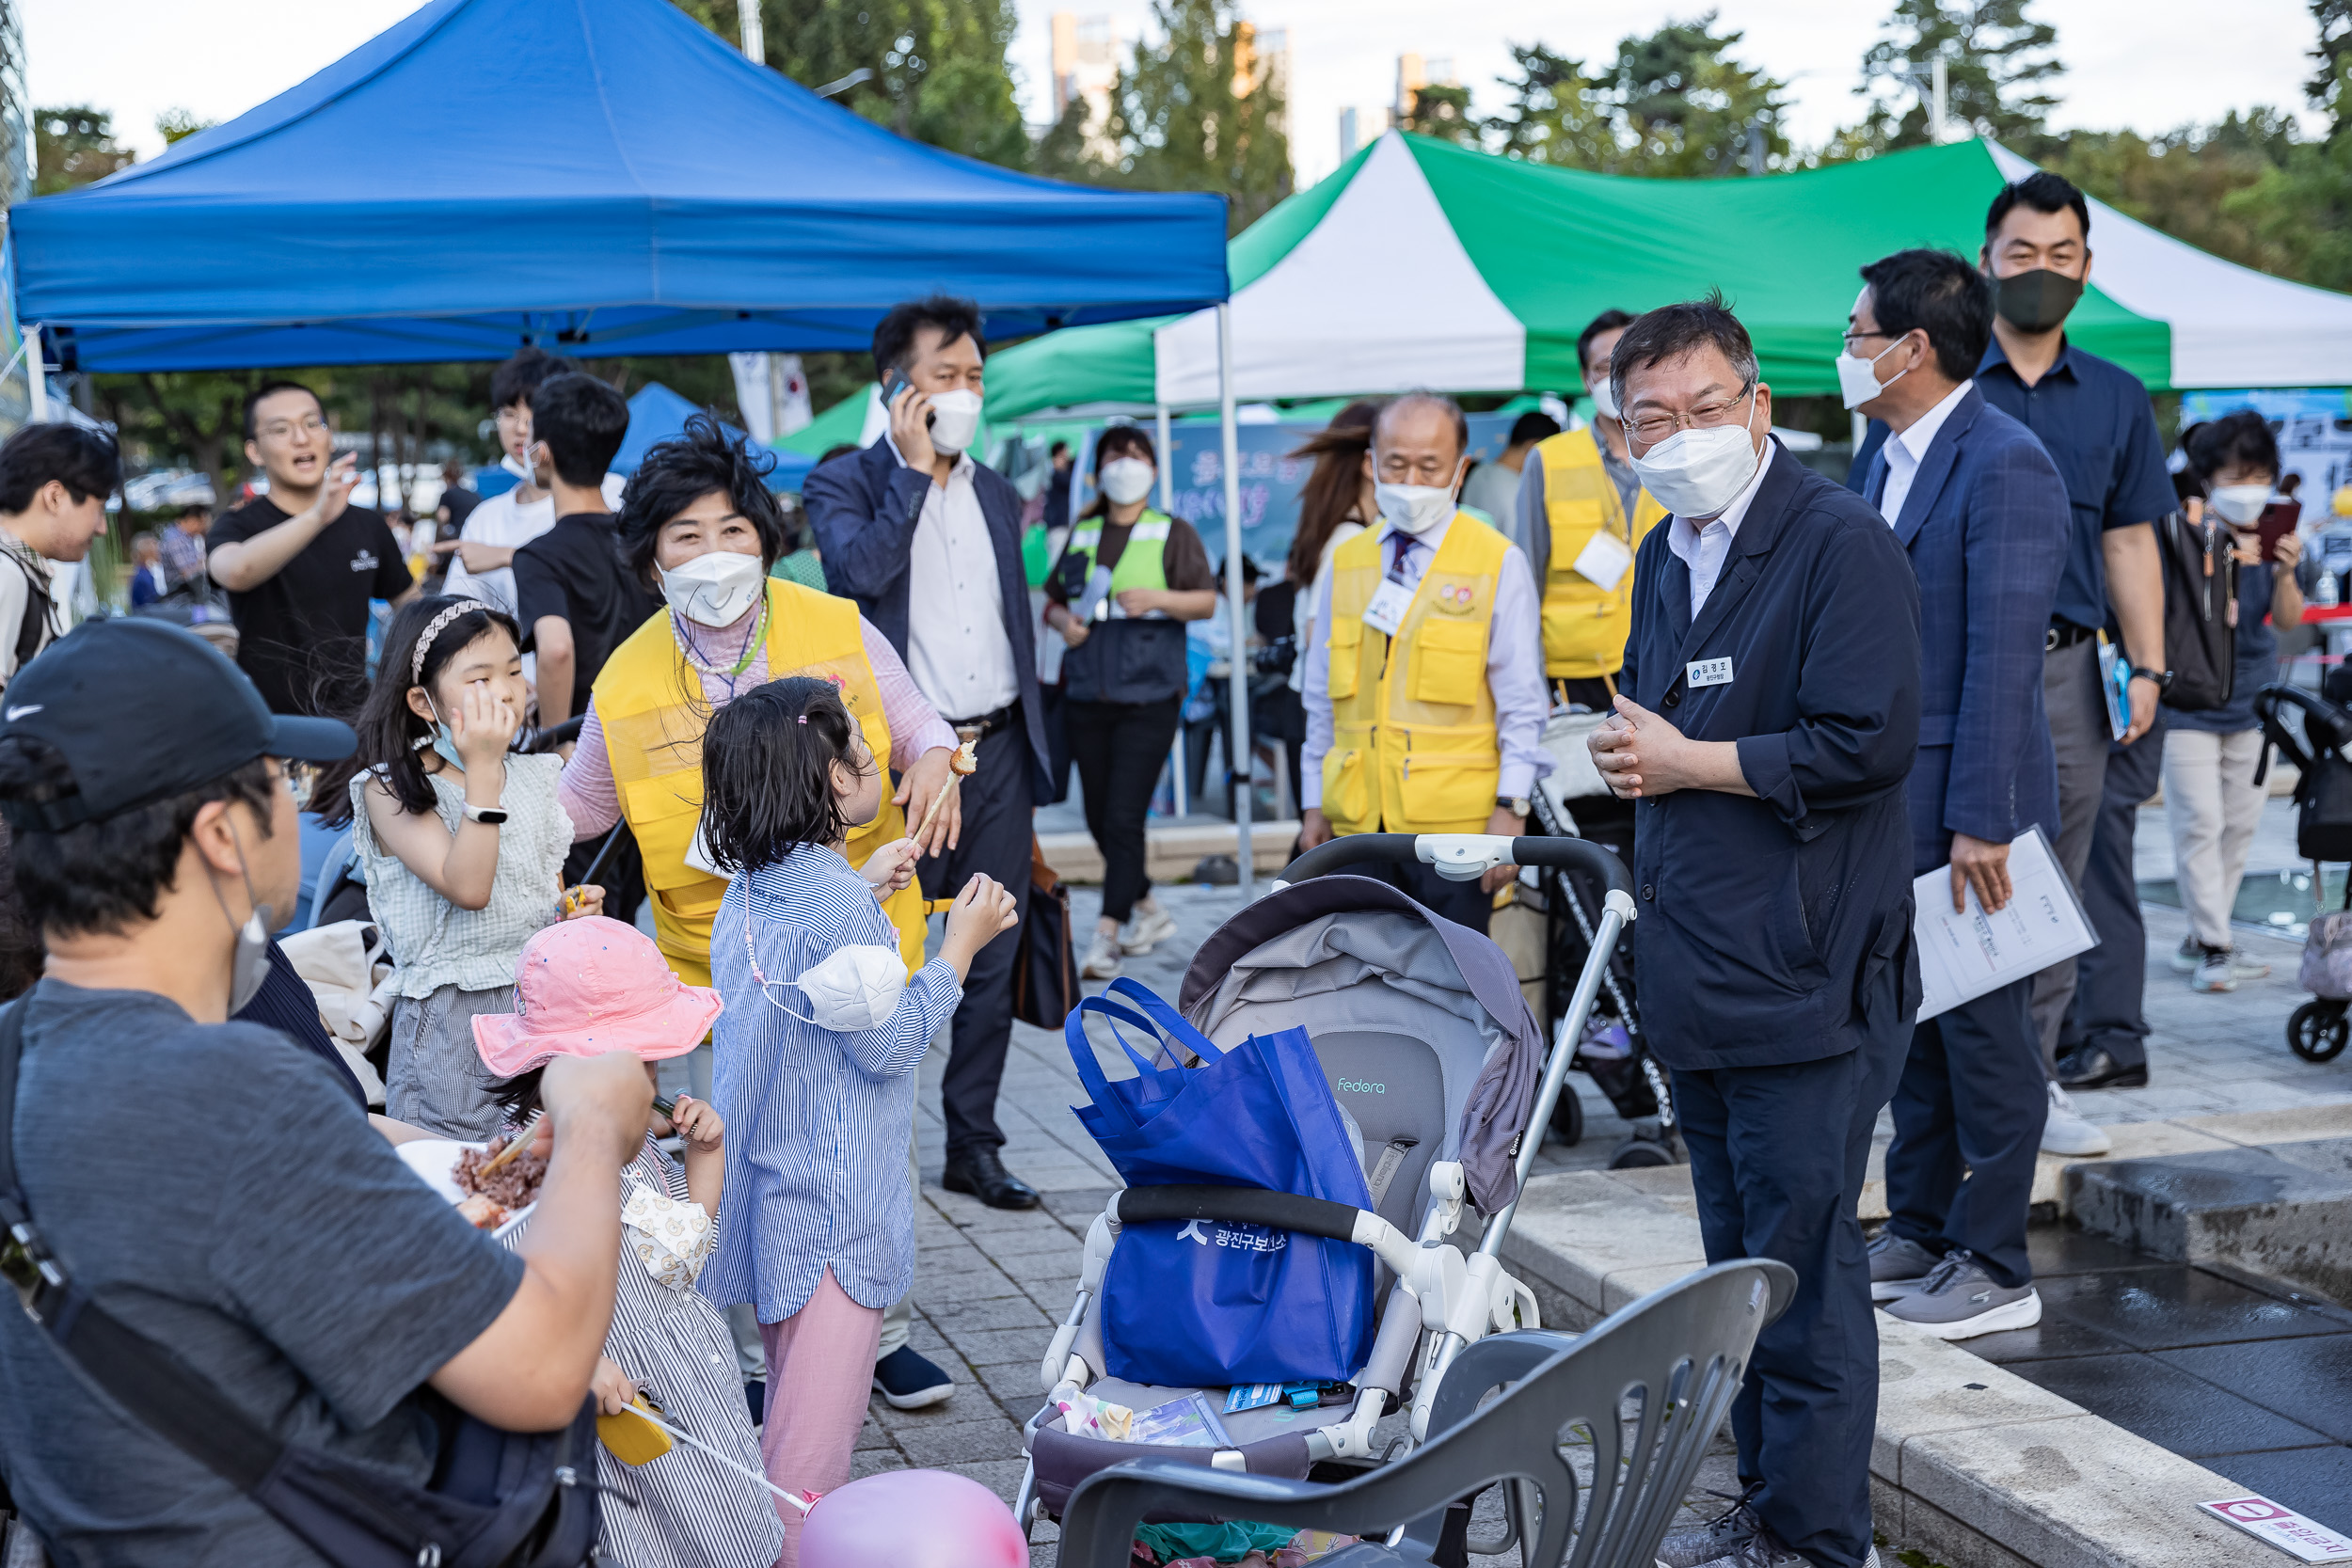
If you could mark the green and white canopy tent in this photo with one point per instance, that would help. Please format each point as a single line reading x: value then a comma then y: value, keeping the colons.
x: 1418, y: 263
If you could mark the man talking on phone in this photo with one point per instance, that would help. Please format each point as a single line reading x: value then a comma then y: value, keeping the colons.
x: 927, y: 542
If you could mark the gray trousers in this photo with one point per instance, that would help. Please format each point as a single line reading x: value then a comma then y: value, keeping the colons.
x: 2077, y: 712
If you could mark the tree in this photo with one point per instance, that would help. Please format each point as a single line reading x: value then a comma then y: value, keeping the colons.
x: 73, y: 145
x: 2181, y: 182
x: 178, y: 125
x: 1673, y: 105
x: 2326, y: 89
x: 1444, y: 113
x: 937, y: 67
x: 1198, y: 112
x: 1996, y: 59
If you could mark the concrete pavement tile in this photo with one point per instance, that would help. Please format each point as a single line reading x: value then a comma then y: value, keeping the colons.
x: 1928, y: 1386
x: 873, y: 1462
x: 956, y: 1319
x: 960, y: 1443
x: 1000, y: 1476
x: 984, y: 1345
x: 2293, y: 1125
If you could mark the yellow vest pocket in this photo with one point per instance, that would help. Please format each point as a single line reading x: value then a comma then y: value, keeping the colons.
x: 1347, y: 636
x: 1347, y: 793
x: 1443, y: 791
x: 1448, y: 661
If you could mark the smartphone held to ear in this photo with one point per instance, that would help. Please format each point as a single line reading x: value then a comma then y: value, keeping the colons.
x: 892, y: 386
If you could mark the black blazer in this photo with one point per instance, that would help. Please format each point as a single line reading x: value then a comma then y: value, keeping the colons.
x: 864, y: 507
x: 1777, y: 930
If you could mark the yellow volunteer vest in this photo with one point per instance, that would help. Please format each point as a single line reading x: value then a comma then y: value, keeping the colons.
x: 1586, y: 624
x: 1413, y: 747
x: 653, y: 711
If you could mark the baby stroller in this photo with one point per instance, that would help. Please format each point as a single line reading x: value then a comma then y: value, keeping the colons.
x: 2318, y: 1030
x: 1429, y: 1014
x: 1613, y: 1050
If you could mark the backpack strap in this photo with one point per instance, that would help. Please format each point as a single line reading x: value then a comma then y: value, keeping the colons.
x: 33, y: 631
x: 149, y: 1379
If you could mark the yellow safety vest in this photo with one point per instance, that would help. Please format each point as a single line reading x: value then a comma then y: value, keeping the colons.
x: 1413, y: 747
x: 1586, y: 624
x: 652, y: 707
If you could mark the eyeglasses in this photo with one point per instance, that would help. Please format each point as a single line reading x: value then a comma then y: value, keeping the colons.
x: 1854, y: 335
x: 1653, y: 428
x: 301, y: 779
x: 280, y: 430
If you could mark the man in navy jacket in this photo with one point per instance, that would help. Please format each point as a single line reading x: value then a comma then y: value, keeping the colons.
x: 1768, y: 715
x: 1982, y: 512
x: 927, y: 542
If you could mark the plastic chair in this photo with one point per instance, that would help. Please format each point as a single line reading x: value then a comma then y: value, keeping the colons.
x: 1677, y: 1354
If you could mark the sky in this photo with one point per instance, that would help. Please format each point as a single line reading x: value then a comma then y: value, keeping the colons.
x: 2131, y: 63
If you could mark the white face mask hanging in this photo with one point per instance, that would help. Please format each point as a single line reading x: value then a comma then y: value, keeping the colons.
x: 853, y: 989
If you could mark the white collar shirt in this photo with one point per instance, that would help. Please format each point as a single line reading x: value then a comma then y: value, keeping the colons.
x: 1903, y: 453
x: 1705, y: 546
x: 958, y: 649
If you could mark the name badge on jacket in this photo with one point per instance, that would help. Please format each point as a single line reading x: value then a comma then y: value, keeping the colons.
x: 1707, y: 672
x: 1386, y: 613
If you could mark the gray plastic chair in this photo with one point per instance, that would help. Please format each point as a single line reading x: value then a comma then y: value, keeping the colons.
x: 1678, y: 1354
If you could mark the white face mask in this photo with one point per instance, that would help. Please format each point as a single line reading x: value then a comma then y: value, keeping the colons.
x: 1858, y: 378
x: 1416, y: 509
x: 1604, y: 398
x: 955, y: 420
x: 1696, y: 473
x: 715, y: 589
x: 854, y: 989
x: 2241, y: 504
x: 1127, y: 480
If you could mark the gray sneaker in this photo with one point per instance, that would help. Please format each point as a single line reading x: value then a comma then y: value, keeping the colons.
x: 1765, y: 1551
x: 1959, y: 1301
x: 1709, y: 1543
x: 1897, y: 1265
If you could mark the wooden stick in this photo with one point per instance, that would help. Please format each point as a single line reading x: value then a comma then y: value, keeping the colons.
x: 962, y: 766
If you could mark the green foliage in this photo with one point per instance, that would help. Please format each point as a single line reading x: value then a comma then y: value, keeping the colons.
x: 73, y: 145
x: 939, y: 73
x: 1996, y: 61
x: 176, y: 125
x: 1445, y: 114
x: 2326, y: 89
x: 1674, y: 104
x: 2182, y: 181
x: 1190, y: 114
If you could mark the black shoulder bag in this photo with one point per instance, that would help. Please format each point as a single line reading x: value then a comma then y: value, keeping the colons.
x: 2200, y: 601
x: 497, y: 1499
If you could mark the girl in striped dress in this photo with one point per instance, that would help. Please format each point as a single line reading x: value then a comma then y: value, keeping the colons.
x: 814, y: 1060
x: 582, y: 988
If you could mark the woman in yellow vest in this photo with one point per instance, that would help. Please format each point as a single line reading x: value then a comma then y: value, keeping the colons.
x: 1582, y: 514
x: 1127, y: 581
x: 699, y: 524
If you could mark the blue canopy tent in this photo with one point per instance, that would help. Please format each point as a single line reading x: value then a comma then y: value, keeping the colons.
x: 600, y: 177
x: 656, y: 413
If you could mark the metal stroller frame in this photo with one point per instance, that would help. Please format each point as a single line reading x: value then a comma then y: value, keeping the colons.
x: 2318, y: 1030
x: 1680, y: 1351
x: 1442, y: 1300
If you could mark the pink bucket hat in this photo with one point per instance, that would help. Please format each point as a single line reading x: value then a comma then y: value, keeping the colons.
x: 586, y: 986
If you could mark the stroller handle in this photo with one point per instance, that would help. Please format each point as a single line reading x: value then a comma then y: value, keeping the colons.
x: 1465, y: 851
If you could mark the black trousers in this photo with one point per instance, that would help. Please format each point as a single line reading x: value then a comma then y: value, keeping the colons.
x: 1464, y: 903
x: 994, y: 841
x: 1120, y: 748
x: 1777, y: 1155
x: 2111, y: 981
x: 1969, y: 1115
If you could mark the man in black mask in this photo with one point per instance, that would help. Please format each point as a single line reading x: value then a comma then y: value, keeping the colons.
x: 2095, y: 421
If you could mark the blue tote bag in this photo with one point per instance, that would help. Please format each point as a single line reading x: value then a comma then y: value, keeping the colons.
x: 1206, y: 1303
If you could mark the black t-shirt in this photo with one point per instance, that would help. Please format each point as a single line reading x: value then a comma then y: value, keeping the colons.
x: 287, y: 1254
x: 574, y: 571
x: 302, y: 636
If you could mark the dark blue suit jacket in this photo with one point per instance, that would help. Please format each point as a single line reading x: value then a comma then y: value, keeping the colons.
x: 863, y: 506
x: 1985, y: 524
x: 1777, y: 930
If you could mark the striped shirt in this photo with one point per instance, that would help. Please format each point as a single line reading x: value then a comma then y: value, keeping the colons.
x: 437, y: 943
x: 818, y: 1122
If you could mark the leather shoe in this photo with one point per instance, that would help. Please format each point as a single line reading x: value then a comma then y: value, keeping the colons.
x: 980, y: 1173
x: 2094, y: 1067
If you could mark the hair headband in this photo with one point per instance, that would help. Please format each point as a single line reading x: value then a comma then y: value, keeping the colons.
x: 434, y: 629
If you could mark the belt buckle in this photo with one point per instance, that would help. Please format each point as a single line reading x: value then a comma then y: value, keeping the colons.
x: 2050, y: 641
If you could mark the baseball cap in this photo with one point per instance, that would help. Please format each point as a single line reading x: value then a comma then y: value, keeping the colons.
x: 142, y: 710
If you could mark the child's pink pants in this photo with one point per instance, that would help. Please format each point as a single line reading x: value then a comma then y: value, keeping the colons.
x: 821, y: 1368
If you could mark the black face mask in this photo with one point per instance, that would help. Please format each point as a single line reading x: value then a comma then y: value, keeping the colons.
x: 2035, y: 301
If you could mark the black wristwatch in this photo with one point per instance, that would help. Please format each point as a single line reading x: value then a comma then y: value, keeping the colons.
x: 1518, y: 805
x: 2162, y: 677
x: 488, y: 816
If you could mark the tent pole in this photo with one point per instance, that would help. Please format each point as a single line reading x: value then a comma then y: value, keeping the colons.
x: 1168, y: 468
x: 36, y: 376
x: 1237, y: 743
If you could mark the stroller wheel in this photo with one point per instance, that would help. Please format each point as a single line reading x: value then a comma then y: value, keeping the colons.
x: 2318, y: 1030
x: 1638, y: 1153
x: 1567, y: 1117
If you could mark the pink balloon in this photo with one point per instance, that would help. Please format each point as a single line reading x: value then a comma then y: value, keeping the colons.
x: 912, y: 1519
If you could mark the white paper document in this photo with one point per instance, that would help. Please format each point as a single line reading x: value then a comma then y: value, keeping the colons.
x: 2305, y: 1540
x: 1965, y: 955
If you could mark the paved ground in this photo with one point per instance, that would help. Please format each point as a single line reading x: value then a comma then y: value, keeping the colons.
x: 989, y: 1287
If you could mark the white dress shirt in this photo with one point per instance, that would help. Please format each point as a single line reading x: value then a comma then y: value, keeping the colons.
x: 958, y: 649
x: 1704, y: 548
x: 1515, y: 668
x: 1903, y: 452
